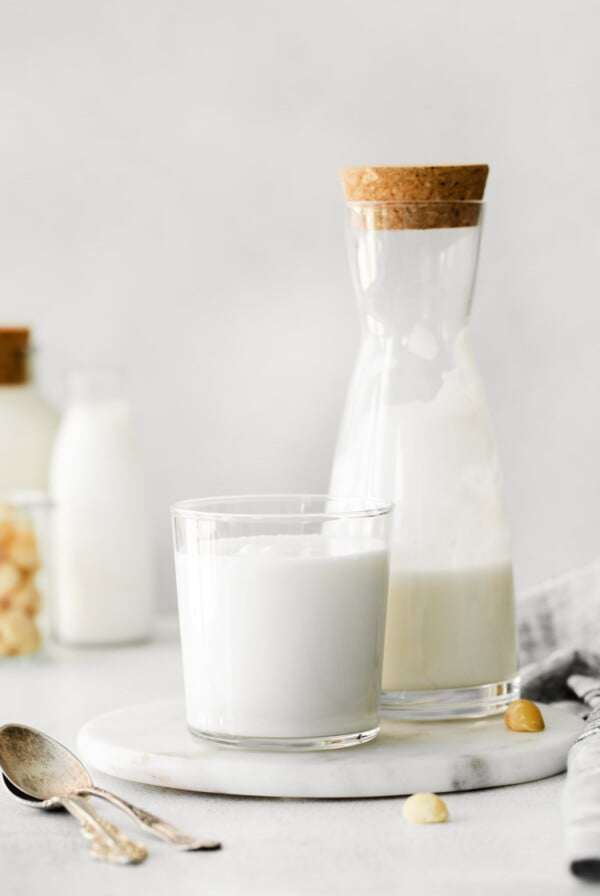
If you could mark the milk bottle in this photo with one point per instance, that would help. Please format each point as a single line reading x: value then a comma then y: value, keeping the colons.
x: 104, y: 592
x: 27, y: 421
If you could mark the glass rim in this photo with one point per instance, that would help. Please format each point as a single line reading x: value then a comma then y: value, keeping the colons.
x: 199, y: 508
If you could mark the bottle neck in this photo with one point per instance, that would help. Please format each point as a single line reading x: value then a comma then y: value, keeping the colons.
x: 414, y: 286
x: 95, y: 386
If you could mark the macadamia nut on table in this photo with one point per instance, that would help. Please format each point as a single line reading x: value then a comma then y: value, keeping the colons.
x: 425, y: 808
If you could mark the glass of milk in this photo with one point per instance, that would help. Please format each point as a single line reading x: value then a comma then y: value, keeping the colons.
x: 282, y: 602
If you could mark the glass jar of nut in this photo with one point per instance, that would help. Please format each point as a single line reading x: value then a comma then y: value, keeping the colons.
x: 24, y: 531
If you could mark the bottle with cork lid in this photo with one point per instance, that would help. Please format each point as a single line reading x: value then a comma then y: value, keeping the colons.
x: 27, y: 421
x: 416, y: 430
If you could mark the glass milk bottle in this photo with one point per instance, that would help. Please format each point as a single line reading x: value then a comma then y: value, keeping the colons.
x: 416, y: 430
x: 104, y: 583
x: 27, y: 422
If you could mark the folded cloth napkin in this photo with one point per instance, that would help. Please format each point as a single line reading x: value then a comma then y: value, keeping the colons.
x: 581, y: 805
x: 568, y: 678
x: 562, y: 613
x: 564, y: 617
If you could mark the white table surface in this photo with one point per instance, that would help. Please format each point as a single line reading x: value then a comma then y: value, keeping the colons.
x: 501, y: 841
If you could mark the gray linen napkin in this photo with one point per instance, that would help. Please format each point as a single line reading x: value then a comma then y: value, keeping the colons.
x: 567, y: 678
x: 559, y: 636
x: 581, y: 805
x: 561, y: 613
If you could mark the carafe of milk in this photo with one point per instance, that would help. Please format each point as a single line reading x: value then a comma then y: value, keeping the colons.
x: 104, y: 583
x: 416, y: 430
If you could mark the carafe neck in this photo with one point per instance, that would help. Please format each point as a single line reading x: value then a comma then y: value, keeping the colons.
x: 414, y: 283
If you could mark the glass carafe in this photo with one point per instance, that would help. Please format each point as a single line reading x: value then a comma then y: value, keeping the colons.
x: 416, y: 430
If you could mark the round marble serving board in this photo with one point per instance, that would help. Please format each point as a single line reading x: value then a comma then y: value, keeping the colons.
x: 150, y: 743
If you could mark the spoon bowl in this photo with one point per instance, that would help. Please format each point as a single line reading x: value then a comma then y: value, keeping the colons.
x: 39, y: 766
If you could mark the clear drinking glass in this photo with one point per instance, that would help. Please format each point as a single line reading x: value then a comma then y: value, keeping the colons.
x: 282, y: 604
x: 416, y: 430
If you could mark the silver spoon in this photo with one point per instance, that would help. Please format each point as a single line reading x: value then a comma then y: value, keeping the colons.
x: 43, y: 772
x: 107, y: 842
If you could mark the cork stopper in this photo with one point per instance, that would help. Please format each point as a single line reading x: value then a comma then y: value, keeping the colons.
x: 14, y: 351
x: 417, y: 197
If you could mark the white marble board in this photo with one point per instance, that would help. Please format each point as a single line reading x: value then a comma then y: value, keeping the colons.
x: 150, y: 743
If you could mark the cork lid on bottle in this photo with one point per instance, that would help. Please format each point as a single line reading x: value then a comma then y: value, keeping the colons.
x: 416, y: 197
x: 14, y: 353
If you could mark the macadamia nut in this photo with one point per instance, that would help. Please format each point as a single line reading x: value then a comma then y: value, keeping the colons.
x: 26, y: 598
x: 9, y: 578
x: 22, y: 548
x: 523, y: 715
x: 425, y: 808
x: 18, y: 634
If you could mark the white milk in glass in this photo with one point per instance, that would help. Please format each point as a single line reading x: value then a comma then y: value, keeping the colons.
x: 282, y: 635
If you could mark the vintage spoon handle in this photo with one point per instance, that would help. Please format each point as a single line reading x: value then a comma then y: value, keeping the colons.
x: 108, y: 844
x: 152, y: 823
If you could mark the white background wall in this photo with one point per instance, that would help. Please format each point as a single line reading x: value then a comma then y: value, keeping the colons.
x: 169, y: 200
